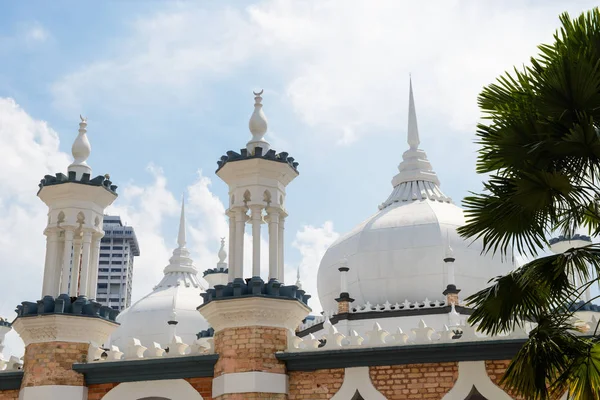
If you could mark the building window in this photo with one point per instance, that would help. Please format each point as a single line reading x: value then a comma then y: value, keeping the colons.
x: 103, y: 262
x: 102, y: 269
x: 102, y: 285
x: 117, y: 255
x: 104, y: 255
x: 101, y: 299
x: 114, y: 299
x: 117, y: 247
x: 119, y: 241
x: 115, y: 307
x: 104, y: 247
x: 102, y: 277
x: 115, y: 270
x: 115, y: 262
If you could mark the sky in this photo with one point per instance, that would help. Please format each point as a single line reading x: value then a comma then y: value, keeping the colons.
x: 167, y: 89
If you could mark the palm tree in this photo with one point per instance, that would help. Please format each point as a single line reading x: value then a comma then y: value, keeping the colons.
x: 540, y: 145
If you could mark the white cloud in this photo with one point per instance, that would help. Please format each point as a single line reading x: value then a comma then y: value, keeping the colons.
x: 342, y: 65
x: 36, y: 33
x: 312, y: 242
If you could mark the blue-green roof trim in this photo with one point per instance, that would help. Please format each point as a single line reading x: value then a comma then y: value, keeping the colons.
x: 271, y: 155
x: 63, y: 304
x: 60, y: 178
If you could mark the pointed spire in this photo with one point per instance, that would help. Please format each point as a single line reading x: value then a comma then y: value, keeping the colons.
x: 81, y: 150
x: 413, y: 130
x: 181, y: 235
x: 222, y: 252
x: 298, y: 282
x: 258, y: 126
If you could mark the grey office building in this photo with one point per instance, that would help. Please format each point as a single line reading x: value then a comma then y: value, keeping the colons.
x: 115, y: 264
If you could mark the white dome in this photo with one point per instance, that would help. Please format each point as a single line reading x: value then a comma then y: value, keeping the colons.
x: 177, y: 295
x: 397, y: 254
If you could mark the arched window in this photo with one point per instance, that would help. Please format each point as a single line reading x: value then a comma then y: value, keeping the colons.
x: 475, y: 395
x: 154, y: 398
x: 357, y: 396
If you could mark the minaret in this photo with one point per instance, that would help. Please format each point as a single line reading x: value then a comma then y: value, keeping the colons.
x: 451, y: 292
x: 254, y: 315
x: 58, y: 329
x: 344, y: 300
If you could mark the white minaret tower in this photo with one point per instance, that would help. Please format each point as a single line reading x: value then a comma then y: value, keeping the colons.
x: 257, y: 179
x: 76, y: 206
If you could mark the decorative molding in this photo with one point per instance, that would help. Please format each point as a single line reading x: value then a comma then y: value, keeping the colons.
x: 254, y: 311
x: 148, y: 369
x: 63, y: 328
x: 10, y: 380
x: 64, y: 304
x: 357, y: 379
x: 474, y: 373
x: 62, y: 392
x: 401, y: 355
x: 60, y: 178
x: 250, y: 382
x: 170, y: 389
x: 270, y: 155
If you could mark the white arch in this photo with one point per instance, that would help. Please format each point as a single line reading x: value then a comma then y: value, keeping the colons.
x: 473, y: 373
x: 358, y: 378
x: 175, y: 389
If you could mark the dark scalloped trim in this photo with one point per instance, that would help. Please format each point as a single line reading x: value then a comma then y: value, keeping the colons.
x: 60, y: 178
x: 217, y: 270
x: 254, y: 287
x: 570, y: 238
x: 210, y: 332
x: 270, y: 155
x: 63, y: 304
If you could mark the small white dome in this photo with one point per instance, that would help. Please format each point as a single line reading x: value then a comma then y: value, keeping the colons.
x: 177, y: 294
x: 397, y: 254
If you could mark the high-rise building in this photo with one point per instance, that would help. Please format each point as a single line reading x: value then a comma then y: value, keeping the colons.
x: 115, y: 266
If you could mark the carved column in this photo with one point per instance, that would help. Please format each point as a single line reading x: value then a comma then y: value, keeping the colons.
x: 232, y: 257
x: 93, y: 274
x: 273, y: 215
x: 280, y: 266
x: 66, y: 262
x: 256, y: 220
x: 75, y: 266
x: 85, y: 263
x: 240, y: 227
x: 50, y: 284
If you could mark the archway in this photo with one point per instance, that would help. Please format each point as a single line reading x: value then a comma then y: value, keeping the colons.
x: 168, y: 389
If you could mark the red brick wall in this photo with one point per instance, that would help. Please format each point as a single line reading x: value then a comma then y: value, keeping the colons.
x: 315, y: 385
x: 414, y: 381
x: 9, y: 394
x: 96, y: 392
x: 249, y: 349
x: 50, y: 363
x: 495, y: 370
x: 253, y: 396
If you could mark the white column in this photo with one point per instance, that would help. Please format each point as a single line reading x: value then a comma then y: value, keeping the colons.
x: 273, y: 242
x: 50, y: 275
x: 256, y: 220
x: 280, y: 267
x: 75, y: 266
x: 85, y: 263
x: 66, y: 265
x: 240, y: 226
x: 232, y: 257
x: 93, y: 276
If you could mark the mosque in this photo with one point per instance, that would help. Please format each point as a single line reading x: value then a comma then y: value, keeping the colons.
x: 394, y: 326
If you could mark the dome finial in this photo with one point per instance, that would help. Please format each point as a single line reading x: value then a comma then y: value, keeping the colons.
x: 258, y: 126
x: 222, y: 252
x: 81, y: 150
x: 298, y: 282
x: 413, y: 130
x: 181, y: 234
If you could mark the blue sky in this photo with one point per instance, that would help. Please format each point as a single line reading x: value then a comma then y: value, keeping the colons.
x: 167, y: 89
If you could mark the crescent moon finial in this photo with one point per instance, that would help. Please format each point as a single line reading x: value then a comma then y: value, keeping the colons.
x: 82, y: 118
x: 259, y: 93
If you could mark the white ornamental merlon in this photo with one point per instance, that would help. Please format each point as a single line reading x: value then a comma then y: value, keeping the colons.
x: 135, y: 349
x: 81, y: 150
x: 63, y: 328
x: 473, y: 374
x: 254, y: 311
x: 177, y: 347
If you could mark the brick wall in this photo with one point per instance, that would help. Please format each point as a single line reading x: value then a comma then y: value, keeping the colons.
x: 315, y: 385
x: 50, y: 363
x: 249, y: 349
x: 414, y: 381
x: 9, y: 394
x: 96, y: 392
x: 203, y: 386
x: 495, y: 370
x: 343, y: 307
x: 253, y: 396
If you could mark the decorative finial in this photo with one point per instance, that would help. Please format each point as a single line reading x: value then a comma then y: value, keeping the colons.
x: 222, y: 252
x: 258, y: 126
x: 413, y: 130
x: 181, y: 235
x: 107, y: 176
x: 298, y: 282
x: 81, y: 150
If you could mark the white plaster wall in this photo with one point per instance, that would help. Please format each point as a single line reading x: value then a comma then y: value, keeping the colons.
x: 473, y: 373
x: 176, y: 389
x: 54, y: 392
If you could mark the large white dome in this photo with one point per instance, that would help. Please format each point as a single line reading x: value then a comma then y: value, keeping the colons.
x: 398, y: 253
x: 176, y: 298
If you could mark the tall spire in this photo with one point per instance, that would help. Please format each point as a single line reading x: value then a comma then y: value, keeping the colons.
x: 81, y: 150
x: 181, y: 235
x: 180, y: 261
x: 298, y: 282
x: 416, y: 179
x: 413, y: 129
